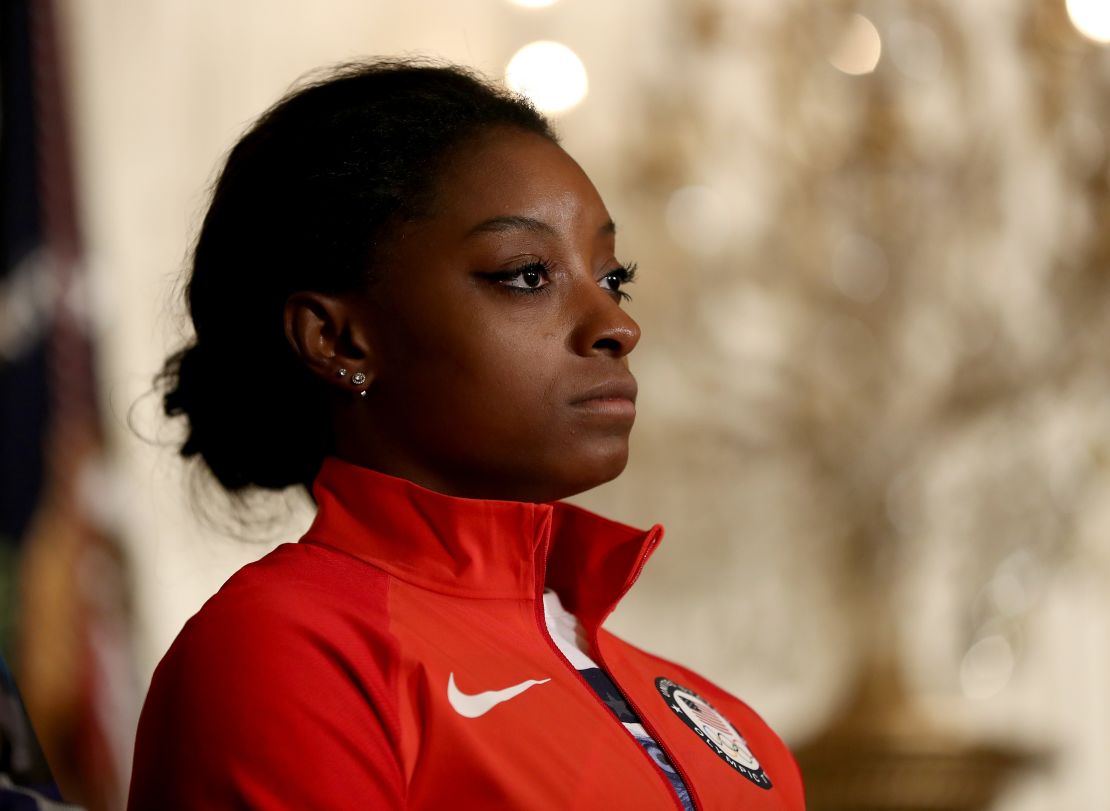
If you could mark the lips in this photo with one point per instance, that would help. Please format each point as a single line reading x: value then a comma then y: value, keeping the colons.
x: 614, y: 397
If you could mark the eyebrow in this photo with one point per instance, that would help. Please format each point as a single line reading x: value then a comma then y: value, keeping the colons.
x: 510, y: 222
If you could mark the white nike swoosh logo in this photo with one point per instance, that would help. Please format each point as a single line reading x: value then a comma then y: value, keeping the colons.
x: 471, y: 706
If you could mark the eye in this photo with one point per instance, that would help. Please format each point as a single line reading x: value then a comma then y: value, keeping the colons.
x: 530, y: 278
x: 615, y: 279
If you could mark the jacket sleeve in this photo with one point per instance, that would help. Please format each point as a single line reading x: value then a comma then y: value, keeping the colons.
x: 266, y: 704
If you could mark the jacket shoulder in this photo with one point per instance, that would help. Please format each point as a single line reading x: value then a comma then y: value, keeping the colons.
x: 287, y: 673
x: 301, y: 604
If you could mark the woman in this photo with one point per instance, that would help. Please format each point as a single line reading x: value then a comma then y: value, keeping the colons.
x: 407, y: 299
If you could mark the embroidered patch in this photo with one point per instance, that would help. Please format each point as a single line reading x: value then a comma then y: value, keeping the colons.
x: 713, y: 728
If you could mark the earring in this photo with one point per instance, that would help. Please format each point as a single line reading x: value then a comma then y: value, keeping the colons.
x: 342, y: 372
x: 358, y: 378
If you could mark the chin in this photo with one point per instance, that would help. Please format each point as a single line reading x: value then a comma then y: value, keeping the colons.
x: 597, y: 468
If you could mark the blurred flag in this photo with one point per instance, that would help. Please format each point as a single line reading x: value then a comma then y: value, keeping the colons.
x: 64, y: 622
x: 25, y: 779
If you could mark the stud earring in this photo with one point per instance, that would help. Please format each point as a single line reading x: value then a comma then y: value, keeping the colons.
x: 358, y: 378
x: 342, y: 372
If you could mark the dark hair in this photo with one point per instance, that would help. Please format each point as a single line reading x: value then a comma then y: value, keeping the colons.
x: 306, y: 200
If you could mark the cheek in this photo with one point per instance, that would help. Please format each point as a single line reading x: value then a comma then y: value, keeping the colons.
x: 459, y: 360
x: 503, y: 379
x: 512, y: 380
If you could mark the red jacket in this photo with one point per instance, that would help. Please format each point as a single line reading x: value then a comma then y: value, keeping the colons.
x: 361, y: 667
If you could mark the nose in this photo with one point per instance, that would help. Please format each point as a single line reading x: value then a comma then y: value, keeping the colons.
x: 602, y: 327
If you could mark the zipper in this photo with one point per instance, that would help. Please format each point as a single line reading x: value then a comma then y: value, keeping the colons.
x: 694, y: 801
x: 653, y: 541
x: 541, y: 621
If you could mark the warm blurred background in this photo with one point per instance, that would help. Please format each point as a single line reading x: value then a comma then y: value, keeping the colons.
x: 874, y: 241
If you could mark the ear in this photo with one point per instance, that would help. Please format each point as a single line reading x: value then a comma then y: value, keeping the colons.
x: 329, y: 333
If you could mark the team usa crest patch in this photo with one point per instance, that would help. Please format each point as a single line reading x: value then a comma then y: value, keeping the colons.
x: 713, y: 728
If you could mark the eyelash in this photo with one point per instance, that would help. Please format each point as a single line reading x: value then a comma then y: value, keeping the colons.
x: 624, y: 274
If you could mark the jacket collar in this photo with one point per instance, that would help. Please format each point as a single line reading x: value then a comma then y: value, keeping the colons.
x: 475, y: 547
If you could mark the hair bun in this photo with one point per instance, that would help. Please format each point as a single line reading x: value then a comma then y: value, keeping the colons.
x: 242, y: 444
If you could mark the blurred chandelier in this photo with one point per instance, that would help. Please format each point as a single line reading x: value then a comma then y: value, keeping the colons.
x: 938, y: 341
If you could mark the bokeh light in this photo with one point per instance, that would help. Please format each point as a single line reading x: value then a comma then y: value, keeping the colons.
x: 550, y: 74
x: 1091, y: 18
x: 858, y: 50
x: 915, y: 49
x: 698, y: 220
x: 859, y: 268
x: 987, y: 667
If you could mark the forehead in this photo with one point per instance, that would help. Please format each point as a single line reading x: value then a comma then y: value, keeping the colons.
x: 514, y: 173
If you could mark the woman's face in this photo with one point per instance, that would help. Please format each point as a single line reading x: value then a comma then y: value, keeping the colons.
x: 499, y: 360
